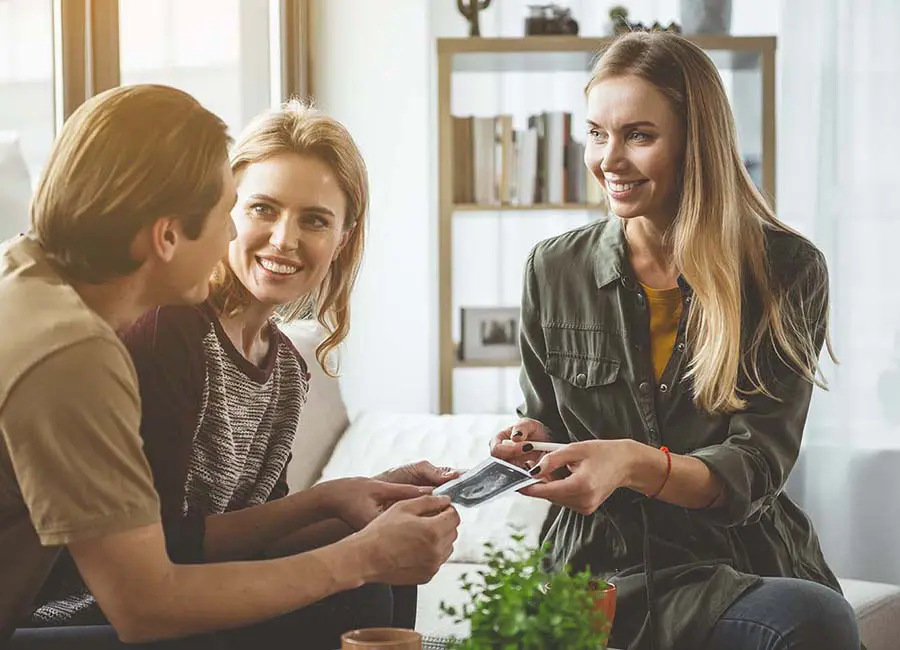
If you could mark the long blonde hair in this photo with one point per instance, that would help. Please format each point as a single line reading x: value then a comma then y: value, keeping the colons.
x: 718, y: 236
x: 300, y: 129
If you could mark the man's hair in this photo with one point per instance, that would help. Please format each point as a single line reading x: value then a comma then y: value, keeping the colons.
x: 125, y: 158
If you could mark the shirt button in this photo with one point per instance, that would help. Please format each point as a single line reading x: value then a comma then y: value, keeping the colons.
x: 652, y: 431
x: 663, y: 388
x: 640, y: 299
x: 688, y: 300
x: 680, y: 347
x: 580, y: 379
x: 644, y: 387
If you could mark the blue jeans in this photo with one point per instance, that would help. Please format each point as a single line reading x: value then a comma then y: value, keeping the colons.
x: 786, y: 614
x: 317, y: 627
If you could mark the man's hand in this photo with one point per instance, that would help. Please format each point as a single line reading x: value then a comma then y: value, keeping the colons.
x: 520, y: 433
x: 410, y: 542
x: 359, y: 500
x: 421, y: 473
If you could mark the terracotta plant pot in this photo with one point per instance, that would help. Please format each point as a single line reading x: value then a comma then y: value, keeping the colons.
x: 381, y: 638
x: 605, y: 602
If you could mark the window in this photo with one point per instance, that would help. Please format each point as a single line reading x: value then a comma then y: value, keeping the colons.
x: 237, y: 57
x: 217, y: 50
x: 26, y: 78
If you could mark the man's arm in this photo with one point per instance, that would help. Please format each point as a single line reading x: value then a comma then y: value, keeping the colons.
x: 146, y: 597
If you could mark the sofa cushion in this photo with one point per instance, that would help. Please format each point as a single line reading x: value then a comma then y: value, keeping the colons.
x: 376, y: 442
x: 877, y: 608
x: 15, y: 188
x: 324, y: 417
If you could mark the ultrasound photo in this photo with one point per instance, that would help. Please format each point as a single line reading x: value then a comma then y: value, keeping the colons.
x: 488, y: 480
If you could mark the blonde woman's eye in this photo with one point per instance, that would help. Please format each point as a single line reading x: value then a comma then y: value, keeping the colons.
x: 261, y: 210
x: 596, y: 135
x: 637, y: 136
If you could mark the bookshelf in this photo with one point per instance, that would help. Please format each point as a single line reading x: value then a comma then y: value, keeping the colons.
x: 752, y: 58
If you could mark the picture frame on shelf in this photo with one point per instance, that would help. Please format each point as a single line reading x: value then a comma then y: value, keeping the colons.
x: 489, y: 334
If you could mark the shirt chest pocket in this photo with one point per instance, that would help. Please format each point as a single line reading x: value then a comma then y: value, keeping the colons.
x: 591, y: 396
x: 582, y: 372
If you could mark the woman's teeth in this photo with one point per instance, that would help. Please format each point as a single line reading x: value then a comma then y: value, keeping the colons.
x: 276, y: 267
x: 622, y: 187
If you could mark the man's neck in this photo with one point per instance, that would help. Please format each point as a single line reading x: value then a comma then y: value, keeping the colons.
x: 119, y: 302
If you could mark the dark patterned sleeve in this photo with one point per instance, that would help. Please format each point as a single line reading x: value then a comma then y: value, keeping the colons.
x: 282, y: 489
x: 166, y: 346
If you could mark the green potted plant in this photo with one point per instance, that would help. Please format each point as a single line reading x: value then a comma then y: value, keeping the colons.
x: 518, y: 604
x: 618, y: 20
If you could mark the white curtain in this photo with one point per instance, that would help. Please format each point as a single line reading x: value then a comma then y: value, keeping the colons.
x: 838, y: 143
x: 839, y: 107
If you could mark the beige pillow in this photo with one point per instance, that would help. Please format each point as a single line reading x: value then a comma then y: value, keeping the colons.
x: 324, y: 418
x: 15, y: 188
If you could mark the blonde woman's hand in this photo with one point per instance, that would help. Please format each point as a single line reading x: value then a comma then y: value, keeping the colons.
x: 420, y: 473
x: 597, y: 468
x: 358, y: 501
x: 507, y: 445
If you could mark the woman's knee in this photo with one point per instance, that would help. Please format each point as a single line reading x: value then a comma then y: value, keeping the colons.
x: 788, y: 614
x: 371, y: 605
x: 825, y: 620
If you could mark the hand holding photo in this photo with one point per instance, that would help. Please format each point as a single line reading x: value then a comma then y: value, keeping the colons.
x: 486, y: 481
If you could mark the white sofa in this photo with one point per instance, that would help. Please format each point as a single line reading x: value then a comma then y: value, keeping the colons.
x: 328, y: 446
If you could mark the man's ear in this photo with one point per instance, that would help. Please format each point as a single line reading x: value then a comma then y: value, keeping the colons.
x: 164, y: 235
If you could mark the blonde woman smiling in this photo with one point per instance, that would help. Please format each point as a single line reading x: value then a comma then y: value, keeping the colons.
x: 675, y: 346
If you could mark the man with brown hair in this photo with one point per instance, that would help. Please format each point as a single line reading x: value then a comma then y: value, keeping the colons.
x: 133, y: 211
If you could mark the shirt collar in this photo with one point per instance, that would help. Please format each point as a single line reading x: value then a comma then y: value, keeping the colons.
x: 611, y: 258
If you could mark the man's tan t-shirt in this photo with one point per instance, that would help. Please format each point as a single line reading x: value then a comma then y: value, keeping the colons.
x: 71, y: 460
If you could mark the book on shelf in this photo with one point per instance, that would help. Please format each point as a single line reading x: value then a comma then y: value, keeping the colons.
x: 495, y: 163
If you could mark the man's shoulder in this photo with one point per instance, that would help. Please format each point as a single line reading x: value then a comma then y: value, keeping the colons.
x: 41, y: 314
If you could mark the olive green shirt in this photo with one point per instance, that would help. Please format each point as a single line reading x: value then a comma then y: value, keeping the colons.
x: 587, y: 373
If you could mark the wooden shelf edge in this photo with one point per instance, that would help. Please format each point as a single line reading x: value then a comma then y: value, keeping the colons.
x: 486, y: 363
x: 475, y: 207
x: 494, y: 45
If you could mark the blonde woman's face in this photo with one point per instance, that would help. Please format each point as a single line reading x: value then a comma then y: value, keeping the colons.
x: 634, y: 148
x: 289, y: 218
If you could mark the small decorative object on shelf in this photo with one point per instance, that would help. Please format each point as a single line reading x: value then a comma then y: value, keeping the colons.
x: 706, y: 16
x: 516, y: 603
x: 618, y: 21
x: 489, y: 334
x: 544, y: 20
x: 470, y: 10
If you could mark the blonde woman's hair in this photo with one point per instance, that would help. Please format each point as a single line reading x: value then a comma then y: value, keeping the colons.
x: 299, y: 128
x: 718, y: 236
x: 125, y: 158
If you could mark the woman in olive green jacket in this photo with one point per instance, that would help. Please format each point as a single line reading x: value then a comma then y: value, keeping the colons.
x: 674, y: 346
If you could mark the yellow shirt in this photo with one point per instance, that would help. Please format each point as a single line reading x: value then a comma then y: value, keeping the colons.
x: 665, y: 314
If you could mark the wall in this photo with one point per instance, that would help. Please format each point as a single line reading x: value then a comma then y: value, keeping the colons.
x: 374, y: 69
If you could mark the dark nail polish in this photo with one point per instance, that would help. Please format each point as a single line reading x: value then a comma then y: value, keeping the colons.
x: 534, y: 471
x: 527, y: 446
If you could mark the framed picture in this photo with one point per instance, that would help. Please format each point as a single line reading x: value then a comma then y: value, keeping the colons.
x: 489, y: 334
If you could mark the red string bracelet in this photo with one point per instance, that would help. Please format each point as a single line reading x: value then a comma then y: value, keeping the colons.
x: 668, y: 472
